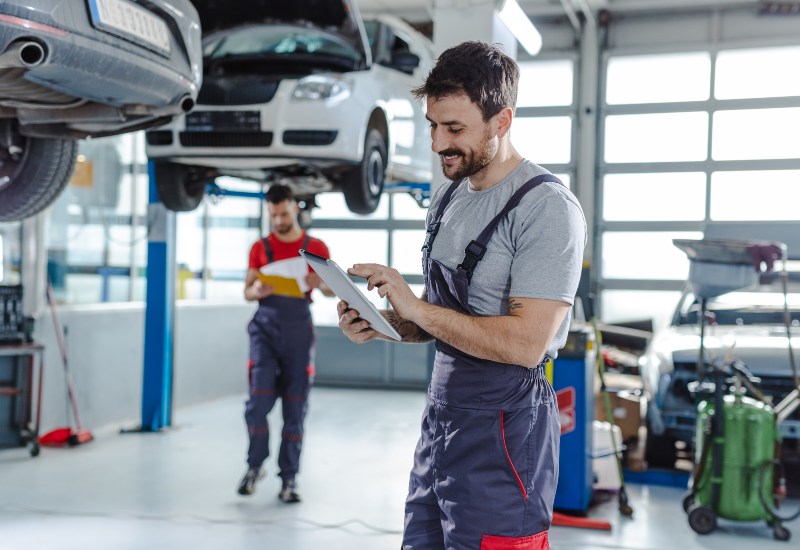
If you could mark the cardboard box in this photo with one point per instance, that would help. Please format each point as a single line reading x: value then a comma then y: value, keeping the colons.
x: 626, y: 408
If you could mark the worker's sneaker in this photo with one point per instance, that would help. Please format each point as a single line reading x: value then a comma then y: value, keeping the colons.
x: 248, y: 484
x: 289, y: 493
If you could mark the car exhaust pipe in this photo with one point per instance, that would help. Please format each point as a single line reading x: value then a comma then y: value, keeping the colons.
x: 187, y: 104
x: 24, y: 53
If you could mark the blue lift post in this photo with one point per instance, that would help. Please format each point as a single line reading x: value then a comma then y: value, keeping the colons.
x: 159, y: 313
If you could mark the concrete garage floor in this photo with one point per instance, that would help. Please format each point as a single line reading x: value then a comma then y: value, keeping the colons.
x: 176, y: 490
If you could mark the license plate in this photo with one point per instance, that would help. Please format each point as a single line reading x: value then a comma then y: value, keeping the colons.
x: 130, y: 21
x: 211, y: 121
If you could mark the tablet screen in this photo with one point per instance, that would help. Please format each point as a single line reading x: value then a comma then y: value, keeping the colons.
x: 346, y: 290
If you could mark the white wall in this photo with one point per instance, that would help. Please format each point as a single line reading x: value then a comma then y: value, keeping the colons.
x: 105, y: 348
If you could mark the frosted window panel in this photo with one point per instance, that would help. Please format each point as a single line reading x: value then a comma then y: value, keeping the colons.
x: 131, y: 148
x: 543, y: 140
x: 333, y: 206
x: 645, y: 255
x: 635, y: 305
x: 756, y: 134
x: 126, y: 196
x: 85, y: 244
x: 225, y: 291
x: 235, y: 207
x: 545, y: 83
x: 352, y: 246
x: 407, y: 251
x: 667, y: 137
x: 760, y: 72
x: 755, y: 195
x: 189, y: 245
x: 679, y: 196
x: 120, y: 242
x: 83, y: 289
x: 406, y: 207
x: 229, y: 247
x: 323, y: 309
x: 666, y: 78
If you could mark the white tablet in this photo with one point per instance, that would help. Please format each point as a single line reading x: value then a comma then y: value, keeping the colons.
x: 346, y: 290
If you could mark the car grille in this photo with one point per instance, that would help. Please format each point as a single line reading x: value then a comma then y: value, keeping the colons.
x: 236, y: 92
x: 226, y: 139
x: 159, y: 137
x: 309, y: 137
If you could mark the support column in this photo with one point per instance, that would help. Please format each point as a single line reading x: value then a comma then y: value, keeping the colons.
x: 159, y: 313
x: 456, y: 21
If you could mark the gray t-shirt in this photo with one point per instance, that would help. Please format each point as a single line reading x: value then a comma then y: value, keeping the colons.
x: 536, y: 251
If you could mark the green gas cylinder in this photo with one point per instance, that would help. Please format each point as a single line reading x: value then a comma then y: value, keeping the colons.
x: 749, y: 440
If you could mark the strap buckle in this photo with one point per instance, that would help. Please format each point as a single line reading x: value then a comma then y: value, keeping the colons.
x: 473, y: 254
x: 432, y: 230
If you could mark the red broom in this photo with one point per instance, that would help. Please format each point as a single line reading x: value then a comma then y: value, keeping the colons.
x: 64, y: 435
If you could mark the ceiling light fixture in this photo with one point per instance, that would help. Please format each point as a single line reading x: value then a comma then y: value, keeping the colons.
x: 520, y: 26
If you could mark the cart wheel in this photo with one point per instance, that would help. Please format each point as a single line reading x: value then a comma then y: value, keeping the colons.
x: 34, y: 450
x: 688, y: 501
x: 779, y: 532
x: 702, y: 520
x: 626, y: 510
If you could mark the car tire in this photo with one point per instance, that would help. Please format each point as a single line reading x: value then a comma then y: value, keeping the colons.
x: 180, y: 187
x: 659, y: 450
x: 363, y: 185
x: 37, y: 179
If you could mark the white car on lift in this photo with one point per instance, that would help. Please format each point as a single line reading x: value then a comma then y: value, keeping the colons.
x: 301, y: 92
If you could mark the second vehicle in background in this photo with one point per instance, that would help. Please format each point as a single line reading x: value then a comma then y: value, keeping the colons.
x: 303, y: 93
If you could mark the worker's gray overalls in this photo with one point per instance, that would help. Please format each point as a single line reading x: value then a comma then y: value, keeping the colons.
x: 486, y: 464
x: 281, y: 365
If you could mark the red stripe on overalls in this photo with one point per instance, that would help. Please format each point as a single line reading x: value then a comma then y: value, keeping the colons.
x: 534, y: 542
x: 508, y: 456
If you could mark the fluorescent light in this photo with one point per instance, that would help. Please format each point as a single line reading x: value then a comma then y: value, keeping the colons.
x: 520, y: 26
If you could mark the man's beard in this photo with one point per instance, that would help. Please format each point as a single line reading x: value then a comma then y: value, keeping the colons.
x: 282, y: 229
x: 472, y: 162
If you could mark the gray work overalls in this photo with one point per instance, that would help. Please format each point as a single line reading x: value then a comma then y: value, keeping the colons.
x: 486, y: 464
x: 281, y: 365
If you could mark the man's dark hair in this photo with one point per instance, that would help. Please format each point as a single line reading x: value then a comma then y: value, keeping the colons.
x: 278, y: 193
x: 481, y: 71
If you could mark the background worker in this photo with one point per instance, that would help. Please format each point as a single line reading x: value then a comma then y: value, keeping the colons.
x: 281, y: 346
x: 501, y: 262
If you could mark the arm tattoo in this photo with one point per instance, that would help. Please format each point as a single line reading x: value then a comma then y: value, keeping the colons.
x: 409, y: 331
x: 513, y: 304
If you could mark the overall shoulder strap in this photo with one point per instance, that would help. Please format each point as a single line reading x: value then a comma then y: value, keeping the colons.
x: 477, y: 248
x: 267, y: 250
x: 433, y: 228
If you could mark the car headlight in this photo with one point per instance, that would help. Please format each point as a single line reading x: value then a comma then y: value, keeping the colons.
x: 321, y: 87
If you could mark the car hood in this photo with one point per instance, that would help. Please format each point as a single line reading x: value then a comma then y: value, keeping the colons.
x: 764, y: 349
x: 337, y: 16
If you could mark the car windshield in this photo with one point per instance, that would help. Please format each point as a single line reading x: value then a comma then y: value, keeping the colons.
x: 278, y: 41
x: 742, y: 308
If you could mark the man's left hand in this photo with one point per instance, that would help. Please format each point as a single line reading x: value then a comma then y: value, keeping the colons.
x: 390, y: 285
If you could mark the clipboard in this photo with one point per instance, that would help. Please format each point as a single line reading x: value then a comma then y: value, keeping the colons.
x: 345, y: 289
x: 284, y: 286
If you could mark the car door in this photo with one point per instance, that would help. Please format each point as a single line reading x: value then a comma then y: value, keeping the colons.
x: 410, y: 142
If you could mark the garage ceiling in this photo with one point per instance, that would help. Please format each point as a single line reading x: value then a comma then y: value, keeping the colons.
x: 419, y: 10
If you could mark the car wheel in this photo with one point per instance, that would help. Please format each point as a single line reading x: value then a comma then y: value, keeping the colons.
x: 362, y: 186
x: 33, y: 173
x: 659, y: 450
x: 180, y: 187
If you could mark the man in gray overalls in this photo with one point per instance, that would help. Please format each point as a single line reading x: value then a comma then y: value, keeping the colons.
x: 501, y: 260
x: 281, y: 345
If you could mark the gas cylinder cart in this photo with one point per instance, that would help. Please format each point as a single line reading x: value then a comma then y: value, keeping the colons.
x: 737, y: 475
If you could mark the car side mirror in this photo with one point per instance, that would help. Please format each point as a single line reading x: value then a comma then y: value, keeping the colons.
x: 405, y: 61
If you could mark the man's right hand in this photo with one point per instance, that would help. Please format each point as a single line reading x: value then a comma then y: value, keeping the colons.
x: 356, y: 329
x: 261, y: 290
